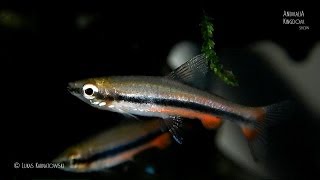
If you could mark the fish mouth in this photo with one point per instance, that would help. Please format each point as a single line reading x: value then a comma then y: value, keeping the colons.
x: 73, y: 89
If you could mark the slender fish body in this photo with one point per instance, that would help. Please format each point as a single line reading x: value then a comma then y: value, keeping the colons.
x: 173, y: 98
x: 164, y: 98
x: 114, y: 147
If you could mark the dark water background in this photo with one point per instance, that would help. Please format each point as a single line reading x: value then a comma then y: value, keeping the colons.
x: 42, y: 57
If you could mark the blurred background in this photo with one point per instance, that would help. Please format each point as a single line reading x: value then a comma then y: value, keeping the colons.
x: 44, y: 48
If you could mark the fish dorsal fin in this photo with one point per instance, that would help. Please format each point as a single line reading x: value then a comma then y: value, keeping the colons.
x: 191, y: 71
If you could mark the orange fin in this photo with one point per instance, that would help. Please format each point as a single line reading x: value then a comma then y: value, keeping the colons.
x: 211, y: 122
x: 162, y: 141
x: 249, y: 133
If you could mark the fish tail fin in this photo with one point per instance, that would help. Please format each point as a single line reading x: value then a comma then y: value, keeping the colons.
x: 163, y: 141
x: 275, y: 113
x: 258, y: 133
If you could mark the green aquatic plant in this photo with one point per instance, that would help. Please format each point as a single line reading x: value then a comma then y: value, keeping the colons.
x: 208, y: 49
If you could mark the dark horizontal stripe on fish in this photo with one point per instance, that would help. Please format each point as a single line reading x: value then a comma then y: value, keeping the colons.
x: 119, y: 149
x: 183, y: 104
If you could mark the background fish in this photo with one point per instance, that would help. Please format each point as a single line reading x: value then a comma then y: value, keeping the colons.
x: 114, y: 146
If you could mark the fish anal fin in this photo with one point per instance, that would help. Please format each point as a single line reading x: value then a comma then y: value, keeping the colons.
x: 162, y: 141
x: 211, y: 122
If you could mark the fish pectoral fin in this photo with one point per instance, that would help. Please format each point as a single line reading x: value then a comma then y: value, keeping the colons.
x: 211, y: 122
x: 191, y: 71
x: 174, y: 126
x: 126, y: 114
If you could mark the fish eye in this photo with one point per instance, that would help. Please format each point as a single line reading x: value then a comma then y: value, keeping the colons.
x: 89, y: 90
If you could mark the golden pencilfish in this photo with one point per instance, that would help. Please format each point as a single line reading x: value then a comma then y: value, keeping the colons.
x: 173, y: 98
x: 114, y: 147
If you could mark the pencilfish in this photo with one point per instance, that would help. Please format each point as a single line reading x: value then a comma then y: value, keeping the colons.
x: 114, y: 147
x: 174, y: 98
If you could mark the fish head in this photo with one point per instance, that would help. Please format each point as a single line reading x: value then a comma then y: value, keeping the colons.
x: 72, y: 161
x: 95, y: 91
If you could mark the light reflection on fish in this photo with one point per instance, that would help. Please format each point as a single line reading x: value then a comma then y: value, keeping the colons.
x: 114, y: 147
x: 173, y: 98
